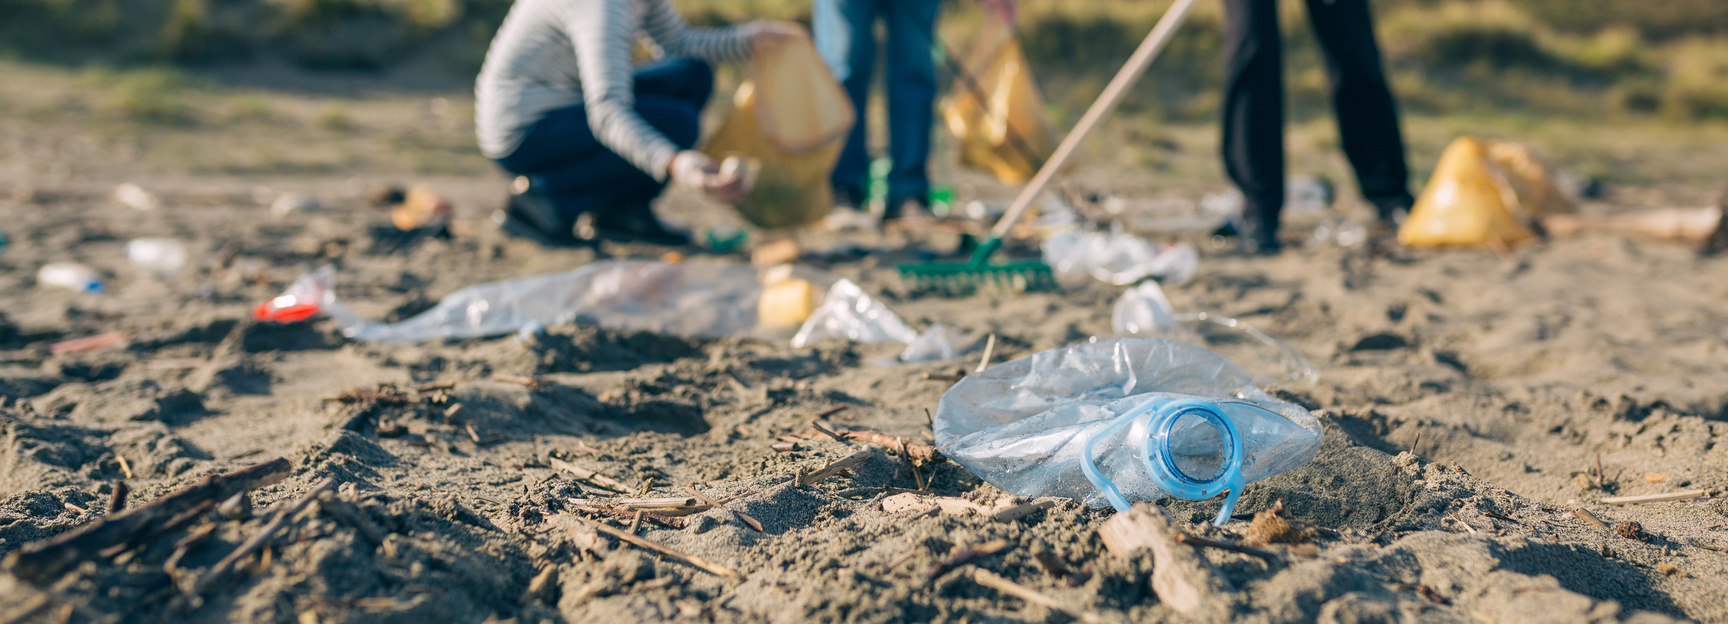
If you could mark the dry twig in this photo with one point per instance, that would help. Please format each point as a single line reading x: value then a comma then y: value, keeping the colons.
x: 589, y: 476
x: 754, y: 524
x: 1185, y: 538
x: 700, y: 563
x: 39, y: 561
x: 218, y: 572
x: 832, y: 469
x: 989, y: 350
x: 825, y: 431
x: 1656, y: 498
x: 993, y: 581
x: 1585, y: 515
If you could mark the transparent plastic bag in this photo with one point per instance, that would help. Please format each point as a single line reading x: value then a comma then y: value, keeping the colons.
x: 1119, y: 258
x: 1144, y: 310
x: 689, y: 299
x: 1142, y: 406
x: 849, y: 312
x: 789, y: 122
x: 1009, y: 134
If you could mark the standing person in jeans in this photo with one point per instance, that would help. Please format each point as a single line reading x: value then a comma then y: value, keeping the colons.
x: 845, y: 32
x: 559, y: 103
x: 1253, y: 143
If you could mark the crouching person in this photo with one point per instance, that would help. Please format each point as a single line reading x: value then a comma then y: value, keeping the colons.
x: 560, y: 104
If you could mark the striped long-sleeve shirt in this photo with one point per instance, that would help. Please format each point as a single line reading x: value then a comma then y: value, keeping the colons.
x: 551, y: 54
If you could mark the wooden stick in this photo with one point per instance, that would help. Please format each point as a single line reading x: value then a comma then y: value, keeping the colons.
x: 989, y: 349
x: 993, y: 581
x: 964, y: 555
x: 584, y: 474
x: 920, y: 452
x: 125, y: 468
x: 1184, y: 538
x: 117, y: 503
x: 1125, y: 78
x: 219, y: 572
x: 39, y: 561
x: 90, y: 343
x: 673, y: 502
x: 636, y: 522
x: 1656, y: 498
x: 530, y: 382
x: 1020, y: 511
x: 1585, y: 515
x: 655, y: 518
x: 714, y: 503
x: 639, y: 542
x: 832, y: 411
x: 824, y: 431
x: 832, y: 468
x: 1460, y: 520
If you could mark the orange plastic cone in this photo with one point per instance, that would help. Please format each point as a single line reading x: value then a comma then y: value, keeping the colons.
x: 1463, y: 205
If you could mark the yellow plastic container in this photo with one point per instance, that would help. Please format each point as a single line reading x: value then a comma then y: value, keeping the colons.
x: 1464, y: 205
x: 790, y: 120
x: 786, y: 304
x: 1008, y: 133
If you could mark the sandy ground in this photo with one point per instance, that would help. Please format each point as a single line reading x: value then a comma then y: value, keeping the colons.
x: 1468, y: 400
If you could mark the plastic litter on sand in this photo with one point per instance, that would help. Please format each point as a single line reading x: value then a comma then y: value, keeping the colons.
x: 1119, y: 258
x: 1152, y: 418
x: 71, y: 276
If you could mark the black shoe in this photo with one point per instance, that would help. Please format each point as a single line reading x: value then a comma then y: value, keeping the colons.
x: 1255, y: 238
x: 529, y: 214
x: 1393, y: 210
x: 630, y: 222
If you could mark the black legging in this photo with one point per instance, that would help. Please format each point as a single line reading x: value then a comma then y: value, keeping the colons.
x: 1253, y: 142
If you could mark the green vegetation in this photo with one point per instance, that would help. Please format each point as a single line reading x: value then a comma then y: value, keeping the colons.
x: 1588, y: 58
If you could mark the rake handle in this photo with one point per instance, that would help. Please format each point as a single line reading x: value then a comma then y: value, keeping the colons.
x: 1130, y: 73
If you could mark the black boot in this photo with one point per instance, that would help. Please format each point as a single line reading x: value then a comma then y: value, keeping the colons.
x: 631, y: 221
x: 1255, y: 238
x: 528, y: 213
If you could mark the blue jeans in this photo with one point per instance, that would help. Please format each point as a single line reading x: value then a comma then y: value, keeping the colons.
x: 561, y: 157
x: 846, y: 39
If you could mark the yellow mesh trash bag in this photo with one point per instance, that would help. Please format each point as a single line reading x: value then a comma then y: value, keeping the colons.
x: 789, y: 120
x: 1464, y: 205
x: 1008, y: 131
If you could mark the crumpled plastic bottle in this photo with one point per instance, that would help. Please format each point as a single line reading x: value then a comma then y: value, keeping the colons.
x: 1119, y: 258
x: 1144, y: 407
x: 71, y: 276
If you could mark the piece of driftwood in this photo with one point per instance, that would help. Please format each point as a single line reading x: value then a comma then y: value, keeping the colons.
x: 832, y: 469
x: 589, y: 476
x: 219, y: 572
x: 754, y: 524
x: 39, y: 561
x: 993, y: 581
x: 645, y: 544
x: 1656, y: 498
x: 1180, y: 577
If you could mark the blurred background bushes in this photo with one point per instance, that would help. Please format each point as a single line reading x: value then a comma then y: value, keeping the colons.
x: 1587, y: 58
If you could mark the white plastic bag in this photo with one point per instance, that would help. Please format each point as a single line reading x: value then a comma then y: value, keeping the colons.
x: 849, y: 312
x: 1025, y: 425
x: 1143, y: 310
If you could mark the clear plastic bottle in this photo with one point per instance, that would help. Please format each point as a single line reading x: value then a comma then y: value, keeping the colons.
x: 162, y: 257
x: 71, y: 276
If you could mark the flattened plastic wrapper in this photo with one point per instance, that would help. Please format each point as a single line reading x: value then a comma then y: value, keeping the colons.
x: 1022, y: 425
x: 1009, y: 133
x: 790, y: 120
x: 849, y: 312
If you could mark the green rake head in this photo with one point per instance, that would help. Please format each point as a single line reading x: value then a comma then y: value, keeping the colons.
x: 959, y: 279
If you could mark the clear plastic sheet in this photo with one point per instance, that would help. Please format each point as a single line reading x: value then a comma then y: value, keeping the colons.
x: 1022, y: 425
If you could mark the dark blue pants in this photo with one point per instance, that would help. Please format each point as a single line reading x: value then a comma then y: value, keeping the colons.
x: 563, y: 159
x: 846, y: 39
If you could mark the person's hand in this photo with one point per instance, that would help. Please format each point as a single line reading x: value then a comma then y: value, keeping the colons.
x: 1005, y: 10
x: 776, y: 32
x: 696, y: 171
